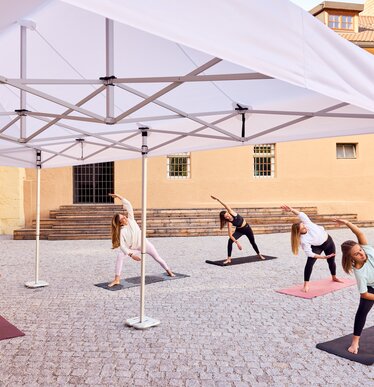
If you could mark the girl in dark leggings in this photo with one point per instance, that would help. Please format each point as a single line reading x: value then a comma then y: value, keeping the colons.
x: 242, y: 228
x: 314, y: 240
x: 328, y: 248
x: 359, y: 258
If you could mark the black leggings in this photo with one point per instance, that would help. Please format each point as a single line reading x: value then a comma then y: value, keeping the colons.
x: 362, y: 312
x: 327, y: 247
x: 246, y: 230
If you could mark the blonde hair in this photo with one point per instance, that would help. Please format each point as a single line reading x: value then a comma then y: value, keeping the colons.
x: 347, y: 260
x: 295, y: 238
x: 116, y: 231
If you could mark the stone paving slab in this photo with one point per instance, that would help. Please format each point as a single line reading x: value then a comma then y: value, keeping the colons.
x: 218, y: 327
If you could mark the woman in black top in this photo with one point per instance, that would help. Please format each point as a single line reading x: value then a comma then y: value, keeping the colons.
x: 242, y: 228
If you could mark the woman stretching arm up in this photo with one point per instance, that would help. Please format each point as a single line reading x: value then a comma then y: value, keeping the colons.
x: 126, y: 237
x: 242, y: 228
x: 314, y: 240
x: 359, y: 258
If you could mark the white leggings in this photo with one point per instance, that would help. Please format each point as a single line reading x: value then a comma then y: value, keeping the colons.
x: 150, y: 249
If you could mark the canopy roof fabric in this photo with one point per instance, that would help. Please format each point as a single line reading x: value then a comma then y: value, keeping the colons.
x: 81, y: 77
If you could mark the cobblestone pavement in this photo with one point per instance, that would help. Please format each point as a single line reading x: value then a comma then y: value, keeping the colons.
x: 223, y: 326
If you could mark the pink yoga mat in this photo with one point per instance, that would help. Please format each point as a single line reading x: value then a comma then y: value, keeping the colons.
x: 318, y: 288
x: 7, y: 330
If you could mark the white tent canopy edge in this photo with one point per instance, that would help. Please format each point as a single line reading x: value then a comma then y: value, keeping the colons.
x: 276, y: 38
x: 292, y: 81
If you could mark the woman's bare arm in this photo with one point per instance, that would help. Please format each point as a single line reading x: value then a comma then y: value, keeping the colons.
x: 361, y: 237
x: 224, y: 205
x: 231, y: 236
x: 287, y: 208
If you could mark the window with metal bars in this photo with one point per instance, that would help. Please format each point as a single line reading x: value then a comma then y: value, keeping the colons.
x: 346, y: 151
x: 179, y: 166
x: 93, y: 182
x: 264, y: 160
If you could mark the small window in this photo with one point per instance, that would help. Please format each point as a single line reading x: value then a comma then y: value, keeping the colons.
x: 334, y: 21
x: 346, y: 151
x: 264, y: 160
x: 341, y: 22
x: 347, y: 23
x: 179, y: 166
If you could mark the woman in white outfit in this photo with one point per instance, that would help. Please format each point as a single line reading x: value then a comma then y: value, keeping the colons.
x: 314, y: 240
x: 126, y: 237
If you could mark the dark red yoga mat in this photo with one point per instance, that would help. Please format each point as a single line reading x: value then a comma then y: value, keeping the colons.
x: 8, y: 331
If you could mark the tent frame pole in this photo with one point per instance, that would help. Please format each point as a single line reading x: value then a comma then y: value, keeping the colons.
x: 109, y: 54
x: 143, y: 322
x: 37, y: 283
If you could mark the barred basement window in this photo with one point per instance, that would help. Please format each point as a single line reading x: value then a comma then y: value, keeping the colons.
x: 264, y: 160
x: 179, y: 166
x: 346, y: 151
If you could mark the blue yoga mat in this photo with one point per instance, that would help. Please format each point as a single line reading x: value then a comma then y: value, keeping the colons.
x: 238, y: 261
x: 135, y: 281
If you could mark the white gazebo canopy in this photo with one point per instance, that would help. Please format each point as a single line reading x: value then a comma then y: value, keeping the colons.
x: 78, y: 78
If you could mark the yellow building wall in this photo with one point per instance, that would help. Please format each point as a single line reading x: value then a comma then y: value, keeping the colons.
x: 56, y: 188
x: 11, y: 199
x: 307, y: 174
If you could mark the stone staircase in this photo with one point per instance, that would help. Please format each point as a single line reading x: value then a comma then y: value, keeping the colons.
x: 92, y: 221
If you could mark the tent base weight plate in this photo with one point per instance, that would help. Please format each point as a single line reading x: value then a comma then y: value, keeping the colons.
x: 147, y: 322
x: 33, y: 284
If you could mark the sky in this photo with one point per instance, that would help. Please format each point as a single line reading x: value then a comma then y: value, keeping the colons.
x: 309, y: 4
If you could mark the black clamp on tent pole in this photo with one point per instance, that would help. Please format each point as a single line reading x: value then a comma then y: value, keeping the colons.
x: 144, y: 130
x: 38, y: 158
x: 242, y: 110
x: 80, y: 141
x: 108, y: 81
x: 22, y: 112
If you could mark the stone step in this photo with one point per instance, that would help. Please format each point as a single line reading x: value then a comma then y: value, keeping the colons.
x: 44, y: 223
x: 91, y: 210
x: 213, y: 221
x: 85, y: 207
x: 164, y: 232
x: 87, y: 221
x: 92, y: 218
x: 29, y: 234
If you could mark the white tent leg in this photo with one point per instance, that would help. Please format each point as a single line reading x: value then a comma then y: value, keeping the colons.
x: 37, y: 283
x: 143, y: 322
